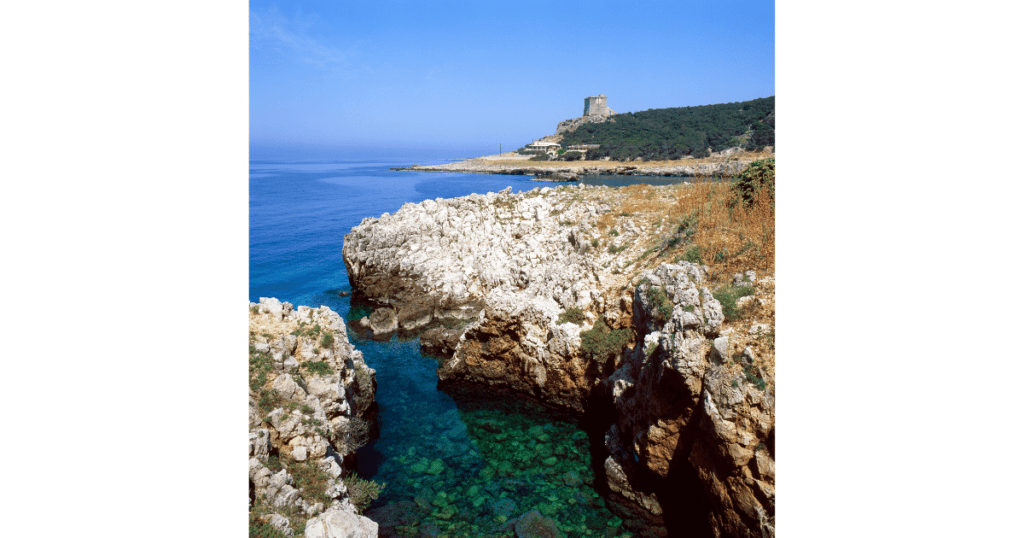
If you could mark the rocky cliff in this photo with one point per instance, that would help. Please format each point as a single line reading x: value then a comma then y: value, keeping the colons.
x: 694, y: 401
x: 562, y: 300
x: 311, y: 405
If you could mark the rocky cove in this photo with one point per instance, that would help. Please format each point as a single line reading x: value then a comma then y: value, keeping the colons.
x: 557, y: 295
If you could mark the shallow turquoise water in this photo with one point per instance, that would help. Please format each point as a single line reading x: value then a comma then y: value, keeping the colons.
x: 464, y: 464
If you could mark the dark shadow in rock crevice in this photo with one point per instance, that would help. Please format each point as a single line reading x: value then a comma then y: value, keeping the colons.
x: 682, y: 494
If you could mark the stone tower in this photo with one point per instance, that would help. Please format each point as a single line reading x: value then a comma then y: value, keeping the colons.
x: 597, y: 106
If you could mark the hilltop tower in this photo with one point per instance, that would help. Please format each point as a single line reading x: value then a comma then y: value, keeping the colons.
x: 597, y: 106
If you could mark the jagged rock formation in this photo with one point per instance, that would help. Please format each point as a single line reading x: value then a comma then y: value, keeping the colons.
x: 686, y: 409
x: 504, y: 261
x: 683, y: 399
x: 568, y: 126
x: 311, y: 405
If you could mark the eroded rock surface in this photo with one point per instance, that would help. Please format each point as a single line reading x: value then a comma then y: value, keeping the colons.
x: 311, y: 405
x: 542, y: 291
x: 688, y: 397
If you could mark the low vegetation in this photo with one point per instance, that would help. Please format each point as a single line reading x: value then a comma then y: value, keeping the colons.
x: 317, y: 367
x: 362, y: 492
x: 757, y: 176
x: 662, y: 304
x: 602, y: 341
x: 729, y: 295
x: 572, y: 315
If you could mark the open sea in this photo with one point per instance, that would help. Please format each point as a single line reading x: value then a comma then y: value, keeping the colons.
x: 455, y: 464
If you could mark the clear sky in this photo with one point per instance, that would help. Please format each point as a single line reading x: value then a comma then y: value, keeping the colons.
x: 400, y: 74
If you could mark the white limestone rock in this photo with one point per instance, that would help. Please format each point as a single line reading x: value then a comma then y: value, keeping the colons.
x: 340, y: 524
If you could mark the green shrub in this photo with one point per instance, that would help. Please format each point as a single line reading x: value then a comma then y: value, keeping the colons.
x: 327, y: 341
x: 613, y: 232
x: 612, y: 249
x: 260, y: 364
x: 313, y: 331
x: 317, y: 367
x: 268, y: 400
x: 650, y: 349
x: 572, y: 315
x: 362, y: 492
x: 758, y: 175
x: 693, y: 255
x: 308, y: 477
x: 573, y: 156
x: 363, y: 376
x: 594, y: 243
x: 752, y: 377
x: 602, y: 342
x: 662, y: 304
x: 728, y: 295
x: 688, y: 226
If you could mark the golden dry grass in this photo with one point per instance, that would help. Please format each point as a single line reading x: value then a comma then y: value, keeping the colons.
x: 731, y: 237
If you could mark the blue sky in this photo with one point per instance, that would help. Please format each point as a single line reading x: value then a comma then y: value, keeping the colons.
x: 471, y: 75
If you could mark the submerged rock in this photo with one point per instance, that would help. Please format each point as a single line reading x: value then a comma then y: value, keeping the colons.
x: 534, y: 525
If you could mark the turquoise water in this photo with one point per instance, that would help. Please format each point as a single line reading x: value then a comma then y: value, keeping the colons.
x: 455, y: 464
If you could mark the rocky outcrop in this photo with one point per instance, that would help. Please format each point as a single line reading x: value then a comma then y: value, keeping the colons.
x: 339, y: 524
x: 568, y: 126
x: 509, y: 264
x: 441, y: 259
x: 556, y: 310
x: 311, y: 405
x: 688, y: 398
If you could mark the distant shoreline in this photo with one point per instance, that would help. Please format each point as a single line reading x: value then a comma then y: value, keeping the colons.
x: 515, y: 164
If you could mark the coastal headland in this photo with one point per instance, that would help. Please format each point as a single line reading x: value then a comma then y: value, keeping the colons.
x: 726, y: 164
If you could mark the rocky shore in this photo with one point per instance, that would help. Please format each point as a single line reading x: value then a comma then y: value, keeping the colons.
x: 722, y: 165
x: 311, y: 405
x: 558, y: 294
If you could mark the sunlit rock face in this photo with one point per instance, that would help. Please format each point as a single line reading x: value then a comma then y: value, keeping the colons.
x: 311, y: 405
x: 687, y: 407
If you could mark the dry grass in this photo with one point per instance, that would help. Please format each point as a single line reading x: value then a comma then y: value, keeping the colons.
x: 731, y: 238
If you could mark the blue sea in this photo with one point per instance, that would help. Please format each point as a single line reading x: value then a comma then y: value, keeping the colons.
x: 456, y: 464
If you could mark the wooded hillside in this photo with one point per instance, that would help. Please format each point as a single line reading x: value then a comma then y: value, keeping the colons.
x: 673, y: 133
